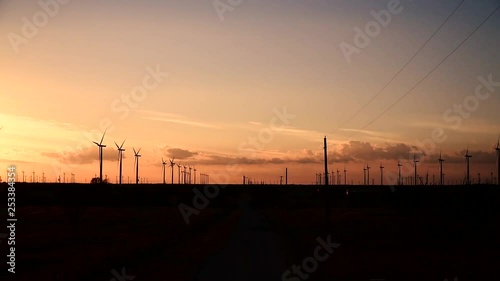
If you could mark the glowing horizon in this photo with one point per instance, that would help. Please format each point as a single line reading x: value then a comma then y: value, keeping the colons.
x: 255, y: 89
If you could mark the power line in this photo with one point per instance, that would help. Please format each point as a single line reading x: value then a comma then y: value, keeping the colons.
x: 400, y: 70
x: 421, y: 80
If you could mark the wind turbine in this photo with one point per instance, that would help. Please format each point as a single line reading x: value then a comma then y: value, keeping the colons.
x: 381, y: 174
x: 194, y: 169
x: 345, y: 176
x: 368, y: 174
x: 399, y: 172
x: 184, y: 175
x: 101, y: 146
x: 415, y: 161
x: 136, y: 163
x: 190, y: 168
x: 364, y: 175
x: 441, y: 175
x: 467, y: 157
x: 120, y: 158
x: 179, y: 174
x: 172, y: 164
x: 498, y: 162
x: 163, y: 163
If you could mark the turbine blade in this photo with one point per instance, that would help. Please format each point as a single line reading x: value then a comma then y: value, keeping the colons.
x: 121, y: 146
x: 117, y: 145
x: 96, y: 143
x: 103, y: 136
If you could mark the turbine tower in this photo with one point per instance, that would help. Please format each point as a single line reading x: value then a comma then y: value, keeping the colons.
x: 172, y: 164
x: 136, y: 164
x: 498, y: 162
x: 467, y: 175
x: 164, y: 164
x: 194, y: 169
x: 345, y: 176
x: 101, y: 146
x: 381, y: 174
x: 399, y: 173
x: 364, y: 175
x: 441, y: 175
x: 179, y: 173
x: 190, y: 169
x: 184, y: 175
x: 120, y: 158
x: 415, y: 161
x: 368, y: 174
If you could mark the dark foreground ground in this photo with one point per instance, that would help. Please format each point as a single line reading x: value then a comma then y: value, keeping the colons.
x: 117, y: 233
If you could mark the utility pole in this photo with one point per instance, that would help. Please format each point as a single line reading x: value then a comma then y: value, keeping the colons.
x: 326, y: 161
x: 286, y: 176
x: 381, y: 174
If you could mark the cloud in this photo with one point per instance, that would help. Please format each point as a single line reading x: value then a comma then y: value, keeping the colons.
x: 84, y: 156
x: 173, y: 118
x: 179, y: 153
x: 478, y: 156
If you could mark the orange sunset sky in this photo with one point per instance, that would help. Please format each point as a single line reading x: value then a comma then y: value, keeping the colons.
x: 247, y: 92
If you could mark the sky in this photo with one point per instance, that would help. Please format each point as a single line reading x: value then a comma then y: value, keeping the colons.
x: 248, y: 88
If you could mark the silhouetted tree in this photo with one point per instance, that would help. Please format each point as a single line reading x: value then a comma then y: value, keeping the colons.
x: 96, y: 181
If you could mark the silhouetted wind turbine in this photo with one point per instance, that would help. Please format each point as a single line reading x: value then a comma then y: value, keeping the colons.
x: 467, y: 157
x: 415, y: 161
x: 441, y: 175
x: 163, y: 163
x: 194, y: 169
x: 399, y: 172
x: 179, y: 173
x: 120, y: 158
x: 368, y: 174
x: 364, y: 175
x: 190, y: 169
x: 172, y: 164
x: 184, y: 175
x: 136, y: 163
x: 345, y: 176
x: 101, y: 146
